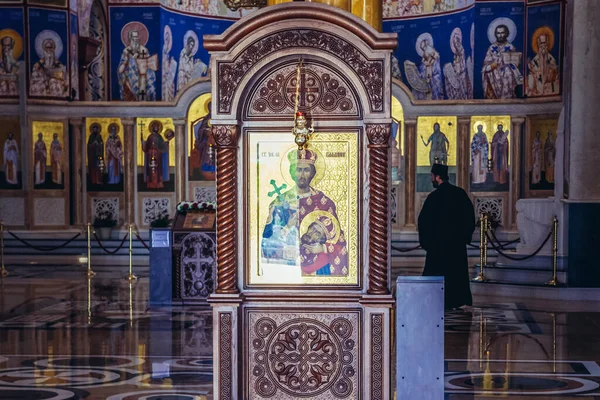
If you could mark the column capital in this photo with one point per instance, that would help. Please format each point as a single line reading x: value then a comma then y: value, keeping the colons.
x: 379, y: 134
x: 410, y: 121
x: 517, y: 120
x: 464, y: 120
x: 225, y: 135
x: 128, y: 121
x: 76, y: 122
x: 179, y: 122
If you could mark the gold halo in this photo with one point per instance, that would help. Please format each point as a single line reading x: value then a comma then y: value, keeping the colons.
x: 313, y: 216
x: 96, y: 124
x: 154, y: 122
x: 18, y: 41
x: 115, y: 125
x: 285, y: 167
x: 477, y: 123
x: 544, y: 30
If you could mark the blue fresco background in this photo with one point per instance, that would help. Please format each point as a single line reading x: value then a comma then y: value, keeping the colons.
x: 41, y: 19
x: 121, y: 16
x: 180, y: 24
x: 545, y: 15
x: 74, y: 31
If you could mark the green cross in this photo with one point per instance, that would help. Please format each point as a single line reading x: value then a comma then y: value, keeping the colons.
x: 278, y: 189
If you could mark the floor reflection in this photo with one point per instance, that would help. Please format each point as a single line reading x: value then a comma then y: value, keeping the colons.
x: 65, y: 337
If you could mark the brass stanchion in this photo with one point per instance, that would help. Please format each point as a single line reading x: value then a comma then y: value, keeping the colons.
x: 554, y: 280
x: 482, y: 248
x: 90, y: 273
x: 3, y: 271
x: 131, y: 276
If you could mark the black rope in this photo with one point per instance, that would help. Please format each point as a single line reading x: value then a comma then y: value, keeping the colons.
x: 502, y: 245
x: 39, y: 248
x: 119, y: 247
x: 142, y: 240
x: 498, y: 249
x: 405, y: 250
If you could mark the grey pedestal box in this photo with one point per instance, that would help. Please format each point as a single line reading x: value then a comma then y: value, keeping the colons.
x: 161, y: 268
x: 420, y: 338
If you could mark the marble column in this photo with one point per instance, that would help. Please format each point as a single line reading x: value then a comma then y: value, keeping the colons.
x: 79, y: 169
x: 463, y: 152
x: 180, y: 165
x: 516, y: 138
x: 582, y: 100
x: 410, y: 173
x: 129, y: 168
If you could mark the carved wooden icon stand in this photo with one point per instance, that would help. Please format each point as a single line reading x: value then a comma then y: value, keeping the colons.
x: 327, y: 338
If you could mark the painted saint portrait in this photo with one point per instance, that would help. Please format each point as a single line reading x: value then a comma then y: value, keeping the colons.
x: 169, y: 66
x: 10, y: 154
x: 543, y: 73
x: 501, y: 73
x: 490, y: 150
x: 49, y: 76
x: 137, y: 68
x: 49, y: 155
x: 456, y: 75
x: 436, y: 144
x: 541, y: 156
x: 105, y: 153
x: 155, y: 157
x: 12, y: 49
x: 426, y: 79
x: 306, y: 214
x: 190, y: 68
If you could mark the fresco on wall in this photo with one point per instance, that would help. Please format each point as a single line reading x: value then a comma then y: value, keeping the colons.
x: 49, y: 155
x: 73, y: 55
x: 10, y: 154
x: 213, y: 8
x: 155, y: 155
x: 11, y: 40
x: 104, y: 154
x: 499, y: 49
x: 543, y: 50
x: 184, y: 59
x: 48, y: 49
x: 55, y: 3
x: 436, y: 60
x: 410, y: 8
x: 201, y: 167
x: 135, y: 65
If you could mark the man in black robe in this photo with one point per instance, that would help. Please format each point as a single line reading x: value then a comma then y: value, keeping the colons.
x: 446, y: 226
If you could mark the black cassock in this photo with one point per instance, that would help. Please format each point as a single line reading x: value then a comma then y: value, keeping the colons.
x: 446, y: 226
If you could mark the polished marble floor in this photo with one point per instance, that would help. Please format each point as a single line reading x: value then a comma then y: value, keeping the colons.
x: 64, y: 337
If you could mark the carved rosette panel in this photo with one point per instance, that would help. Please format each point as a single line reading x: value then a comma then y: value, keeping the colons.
x: 379, y: 137
x: 225, y: 355
x: 102, y: 206
x: 370, y: 72
x: 377, y: 357
x: 226, y: 140
x: 198, y: 265
x: 321, y: 91
x: 493, y: 206
x: 205, y: 194
x: 154, y: 207
x: 300, y: 355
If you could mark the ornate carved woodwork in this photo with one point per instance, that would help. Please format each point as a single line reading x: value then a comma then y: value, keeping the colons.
x: 226, y: 142
x: 377, y: 346
x: 370, y: 72
x: 225, y: 356
x: 321, y: 91
x: 379, y: 138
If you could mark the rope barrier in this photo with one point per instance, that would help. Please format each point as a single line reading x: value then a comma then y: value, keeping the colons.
x: 119, y: 247
x: 405, y: 250
x: 502, y: 245
x: 498, y: 249
x: 142, y: 240
x: 39, y: 248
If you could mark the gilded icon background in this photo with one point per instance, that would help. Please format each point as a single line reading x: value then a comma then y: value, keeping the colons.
x: 303, y: 228
x: 490, y: 143
x: 432, y: 144
x: 49, y: 155
x: 200, y: 166
x: 105, y: 154
x: 155, y: 155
